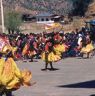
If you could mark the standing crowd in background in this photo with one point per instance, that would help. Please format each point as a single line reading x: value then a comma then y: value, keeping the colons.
x: 29, y: 46
x: 50, y: 47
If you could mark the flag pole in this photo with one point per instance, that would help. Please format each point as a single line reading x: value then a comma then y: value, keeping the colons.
x: 2, y: 16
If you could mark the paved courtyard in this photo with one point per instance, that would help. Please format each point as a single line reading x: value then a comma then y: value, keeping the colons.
x: 74, y: 77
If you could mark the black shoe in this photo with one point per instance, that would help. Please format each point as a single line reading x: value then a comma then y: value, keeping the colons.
x: 52, y: 69
x: 45, y: 69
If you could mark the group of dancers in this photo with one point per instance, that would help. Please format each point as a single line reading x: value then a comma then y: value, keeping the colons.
x: 50, y: 47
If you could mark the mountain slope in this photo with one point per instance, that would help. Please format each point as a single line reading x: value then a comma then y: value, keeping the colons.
x: 91, y: 9
x: 62, y: 7
x: 53, y: 6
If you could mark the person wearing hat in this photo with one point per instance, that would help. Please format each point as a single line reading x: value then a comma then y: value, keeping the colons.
x: 11, y: 78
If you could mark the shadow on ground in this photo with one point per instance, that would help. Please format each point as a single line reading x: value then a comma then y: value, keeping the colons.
x: 54, y: 69
x: 87, y: 84
x: 92, y: 95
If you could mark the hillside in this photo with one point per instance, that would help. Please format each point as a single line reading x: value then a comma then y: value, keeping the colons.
x: 63, y: 7
x: 91, y: 9
x: 53, y: 6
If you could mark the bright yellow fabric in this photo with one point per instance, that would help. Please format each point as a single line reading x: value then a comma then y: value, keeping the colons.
x: 43, y: 56
x: 26, y: 75
x: 2, y: 61
x: 60, y: 48
x: 10, y: 48
x: 87, y: 49
x: 51, y: 57
x: 14, y: 49
x: 25, y: 49
x: 53, y: 26
x: 10, y: 74
x: 6, y: 47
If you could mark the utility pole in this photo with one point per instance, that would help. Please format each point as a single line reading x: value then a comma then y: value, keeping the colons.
x: 2, y: 16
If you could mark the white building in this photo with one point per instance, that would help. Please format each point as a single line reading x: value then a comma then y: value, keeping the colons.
x: 44, y: 18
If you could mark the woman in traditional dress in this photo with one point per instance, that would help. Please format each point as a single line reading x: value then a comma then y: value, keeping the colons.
x: 33, y: 49
x: 49, y: 56
x: 11, y: 77
x: 25, y: 50
x: 88, y: 48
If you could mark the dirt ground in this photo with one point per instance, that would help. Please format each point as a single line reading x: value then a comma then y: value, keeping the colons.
x: 38, y: 28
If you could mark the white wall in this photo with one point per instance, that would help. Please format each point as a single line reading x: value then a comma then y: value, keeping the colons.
x: 39, y: 20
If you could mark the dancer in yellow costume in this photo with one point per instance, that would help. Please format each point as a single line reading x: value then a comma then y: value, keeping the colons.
x: 87, y: 49
x: 25, y: 49
x: 49, y: 56
x: 11, y: 78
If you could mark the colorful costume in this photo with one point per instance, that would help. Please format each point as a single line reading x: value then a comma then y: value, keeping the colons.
x: 49, y: 55
x: 59, y: 48
x: 87, y: 49
x: 25, y: 49
x: 10, y: 75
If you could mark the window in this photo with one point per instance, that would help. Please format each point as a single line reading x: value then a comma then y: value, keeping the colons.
x: 47, y: 19
x: 42, y: 19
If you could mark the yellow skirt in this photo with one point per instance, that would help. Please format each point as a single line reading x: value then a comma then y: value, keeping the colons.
x: 87, y: 49
x: 10, y: 75
x: 59, y: 49
x: 57, y: 52
x: 50, y: 57
x: 25, y: 50
x: 26, y: 75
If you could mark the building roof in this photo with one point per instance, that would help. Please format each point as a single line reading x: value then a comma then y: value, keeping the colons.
x: 45, y: 14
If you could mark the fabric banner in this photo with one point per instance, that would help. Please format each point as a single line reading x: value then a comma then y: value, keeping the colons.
x: 52, y: 26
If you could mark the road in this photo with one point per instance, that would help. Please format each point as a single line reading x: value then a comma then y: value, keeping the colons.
x: 74, y: 77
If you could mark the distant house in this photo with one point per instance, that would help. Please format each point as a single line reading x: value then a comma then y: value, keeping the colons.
x: 28, y: 18
x: 58, y: 18
x: 44, y: 18
x: 48, y: 18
